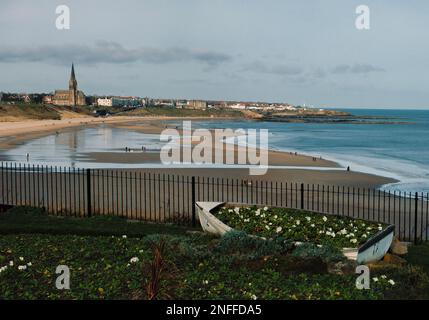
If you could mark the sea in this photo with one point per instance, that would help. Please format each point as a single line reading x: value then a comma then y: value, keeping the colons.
x: 395, y: 143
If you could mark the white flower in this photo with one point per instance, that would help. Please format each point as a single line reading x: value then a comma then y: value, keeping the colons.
x: 237, y: 210
x: 141, y: 251
x: 384, y: 276
x: 353, y: 240
x: 312, y: 225
x: 258, y: 212
x: 364, y: 236
x: 324, y: 218
x: 205, y: 281
x: 380, y: 228
x: 21, y: 268
x: 391, y: 282
x: 375, y: 279
x: 267, y: 227
x: 11, y: 263
x: 265, y: 208
x: 124, y: 236
x: 230, y: 210
x: 298, y: 222
x: 254, y: 297
x: 275, y: 217
x: 246, y: 220
x: 134, y: 260
x: 343, y: 231
x: 279, y: 229
x: 21, y: 258
x: 308, y: 218
x: 29, y: 264
x: 3, y: 269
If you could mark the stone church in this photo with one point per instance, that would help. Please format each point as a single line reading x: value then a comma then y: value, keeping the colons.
x: 70, y: 97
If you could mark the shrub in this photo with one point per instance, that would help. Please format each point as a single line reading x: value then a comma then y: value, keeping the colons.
x: 191, y: 247
x: 26, y: 211
x: 326, y: 253
x: 239, y: 243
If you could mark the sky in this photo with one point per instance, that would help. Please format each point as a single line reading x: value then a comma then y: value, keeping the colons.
x: 301, y: 52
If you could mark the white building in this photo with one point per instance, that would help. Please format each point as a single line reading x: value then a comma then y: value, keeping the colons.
x: 238, y: 106
x: 105, y: 102
x: 119, y: 102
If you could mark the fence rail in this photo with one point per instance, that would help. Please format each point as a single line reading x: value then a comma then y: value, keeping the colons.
x: 161, y: 197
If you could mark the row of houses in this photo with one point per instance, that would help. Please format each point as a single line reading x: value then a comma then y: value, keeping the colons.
x: 147, y: 102
x: 135, y: 102
x: 261, y: 107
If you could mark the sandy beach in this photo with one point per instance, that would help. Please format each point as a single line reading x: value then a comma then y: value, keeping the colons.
x: 13, y: 133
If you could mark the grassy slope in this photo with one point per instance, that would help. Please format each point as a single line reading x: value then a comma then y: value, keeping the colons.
x: 38, y: 111
x: 29, y: 111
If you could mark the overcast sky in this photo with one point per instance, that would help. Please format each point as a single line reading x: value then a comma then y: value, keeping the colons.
x: 272, y: 50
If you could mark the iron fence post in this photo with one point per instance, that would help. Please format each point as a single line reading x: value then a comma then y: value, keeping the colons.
x: 302, y: 196
x: 416, y: 205
x: 88, y: 192
x: 193, y: 203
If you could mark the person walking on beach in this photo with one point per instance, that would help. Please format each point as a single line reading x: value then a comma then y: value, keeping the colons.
x: 28, y: 156
x: 348, y: 168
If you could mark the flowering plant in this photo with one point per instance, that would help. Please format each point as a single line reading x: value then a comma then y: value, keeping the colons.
x: 300, y: 225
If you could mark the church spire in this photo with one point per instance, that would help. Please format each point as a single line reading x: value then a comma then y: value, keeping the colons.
x: 72, y: 76
x: 73, y: 87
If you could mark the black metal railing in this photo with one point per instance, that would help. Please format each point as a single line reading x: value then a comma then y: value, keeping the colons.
x: 162, y: 197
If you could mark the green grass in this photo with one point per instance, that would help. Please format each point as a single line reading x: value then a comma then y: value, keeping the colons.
x: 30, y: 220
x: 99, y: 253
x: 29, y: 111
x: 38, y: 111
x: 419, y: 255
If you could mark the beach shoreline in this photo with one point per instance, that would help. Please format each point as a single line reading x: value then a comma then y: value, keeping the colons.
x: 15, y: 133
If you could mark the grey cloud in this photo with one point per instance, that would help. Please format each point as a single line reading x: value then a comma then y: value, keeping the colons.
x: 356, y: 69
x: 278, y: 69
x: 109, y: 52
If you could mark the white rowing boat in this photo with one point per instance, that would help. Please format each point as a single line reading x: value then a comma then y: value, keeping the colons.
x: 372, y: 250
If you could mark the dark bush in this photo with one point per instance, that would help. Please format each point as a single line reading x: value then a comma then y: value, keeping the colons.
x: 326, y: 253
